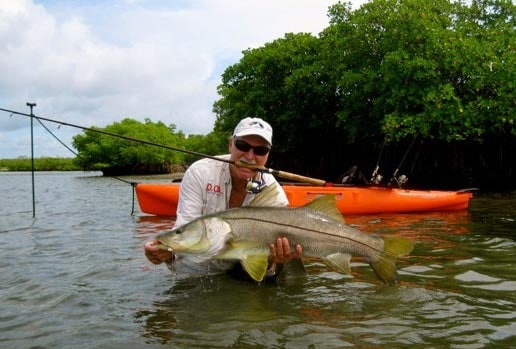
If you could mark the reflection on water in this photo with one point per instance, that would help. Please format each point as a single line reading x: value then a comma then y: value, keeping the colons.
x: 75, y: 276
x: 203, y: 310
x: 494, y: 215
x: 149, y: 226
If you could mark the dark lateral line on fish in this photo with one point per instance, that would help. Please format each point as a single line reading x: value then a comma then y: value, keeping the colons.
x: 282, y: 174
x: 358, y: 242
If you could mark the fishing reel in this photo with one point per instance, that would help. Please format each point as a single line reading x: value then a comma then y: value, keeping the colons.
x: 400, y: 180
x: 376, y: 177
x: 254, y: 186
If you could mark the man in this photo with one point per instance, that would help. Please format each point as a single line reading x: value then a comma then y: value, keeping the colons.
x: 210, y: 186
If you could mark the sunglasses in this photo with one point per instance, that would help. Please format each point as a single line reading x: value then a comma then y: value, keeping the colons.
x: 259, y: 150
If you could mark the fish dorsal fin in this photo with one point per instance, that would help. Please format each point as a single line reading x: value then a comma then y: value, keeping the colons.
x: 267, y: 197
x: 327, y: 206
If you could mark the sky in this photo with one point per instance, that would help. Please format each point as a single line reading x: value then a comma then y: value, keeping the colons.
x: 95, y: 62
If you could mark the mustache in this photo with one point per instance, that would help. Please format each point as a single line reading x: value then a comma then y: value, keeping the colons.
x: 247, y: 161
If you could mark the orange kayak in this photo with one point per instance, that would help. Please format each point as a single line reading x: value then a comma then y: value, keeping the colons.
x: 161, y: 198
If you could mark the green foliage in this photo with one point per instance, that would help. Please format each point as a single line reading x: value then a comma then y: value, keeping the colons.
x: 432, y: 69
x: 214, y: 143
x: 104, y: 152
x: 40, y: 164
x: 391, y: 70
x: 284, y: 83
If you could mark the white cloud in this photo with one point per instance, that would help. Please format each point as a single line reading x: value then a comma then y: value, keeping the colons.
x: 96, y: 62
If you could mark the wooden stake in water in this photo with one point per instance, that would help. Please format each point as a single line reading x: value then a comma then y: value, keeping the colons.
x: 32, y: 105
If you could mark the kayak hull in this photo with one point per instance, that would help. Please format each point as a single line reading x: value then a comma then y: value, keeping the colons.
x: 161, y: 198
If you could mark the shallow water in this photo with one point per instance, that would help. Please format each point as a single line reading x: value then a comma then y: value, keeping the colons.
x: 75, y: 276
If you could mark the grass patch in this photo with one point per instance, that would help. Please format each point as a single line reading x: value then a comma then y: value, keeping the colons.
x: 40, y: 164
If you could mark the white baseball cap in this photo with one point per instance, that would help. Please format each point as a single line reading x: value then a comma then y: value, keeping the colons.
x: 254, y: 126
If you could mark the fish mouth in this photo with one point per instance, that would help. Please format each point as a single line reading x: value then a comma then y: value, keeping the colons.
x: 163, y: 246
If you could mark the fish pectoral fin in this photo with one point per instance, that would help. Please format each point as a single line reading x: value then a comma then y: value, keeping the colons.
x: 339, y: 261
x: 256, y: 266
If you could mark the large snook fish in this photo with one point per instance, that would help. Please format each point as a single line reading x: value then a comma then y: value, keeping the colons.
x: 245, y: 234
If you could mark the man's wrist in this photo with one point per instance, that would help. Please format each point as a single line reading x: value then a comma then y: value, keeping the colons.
x: 271, y: 271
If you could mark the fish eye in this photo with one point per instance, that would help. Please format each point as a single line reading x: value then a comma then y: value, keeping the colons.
x: 178, y: 231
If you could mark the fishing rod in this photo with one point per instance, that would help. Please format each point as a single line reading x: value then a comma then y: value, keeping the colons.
x: 262, y: 169
x: 376, y: 178
x: 402, y: 179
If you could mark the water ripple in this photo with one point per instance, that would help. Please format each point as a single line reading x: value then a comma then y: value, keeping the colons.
x: 75, y: 277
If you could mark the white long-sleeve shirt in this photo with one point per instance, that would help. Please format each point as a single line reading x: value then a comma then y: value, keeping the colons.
x: 205, y: 189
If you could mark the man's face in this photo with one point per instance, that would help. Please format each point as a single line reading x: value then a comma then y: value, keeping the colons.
x: 250, y: 149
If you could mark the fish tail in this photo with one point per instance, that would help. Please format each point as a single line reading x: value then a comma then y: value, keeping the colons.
x: 385, y: 266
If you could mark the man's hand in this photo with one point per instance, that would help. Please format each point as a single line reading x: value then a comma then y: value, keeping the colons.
x: 280, y: 253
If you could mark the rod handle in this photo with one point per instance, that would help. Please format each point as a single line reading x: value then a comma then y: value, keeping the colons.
x: 282, y: 174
